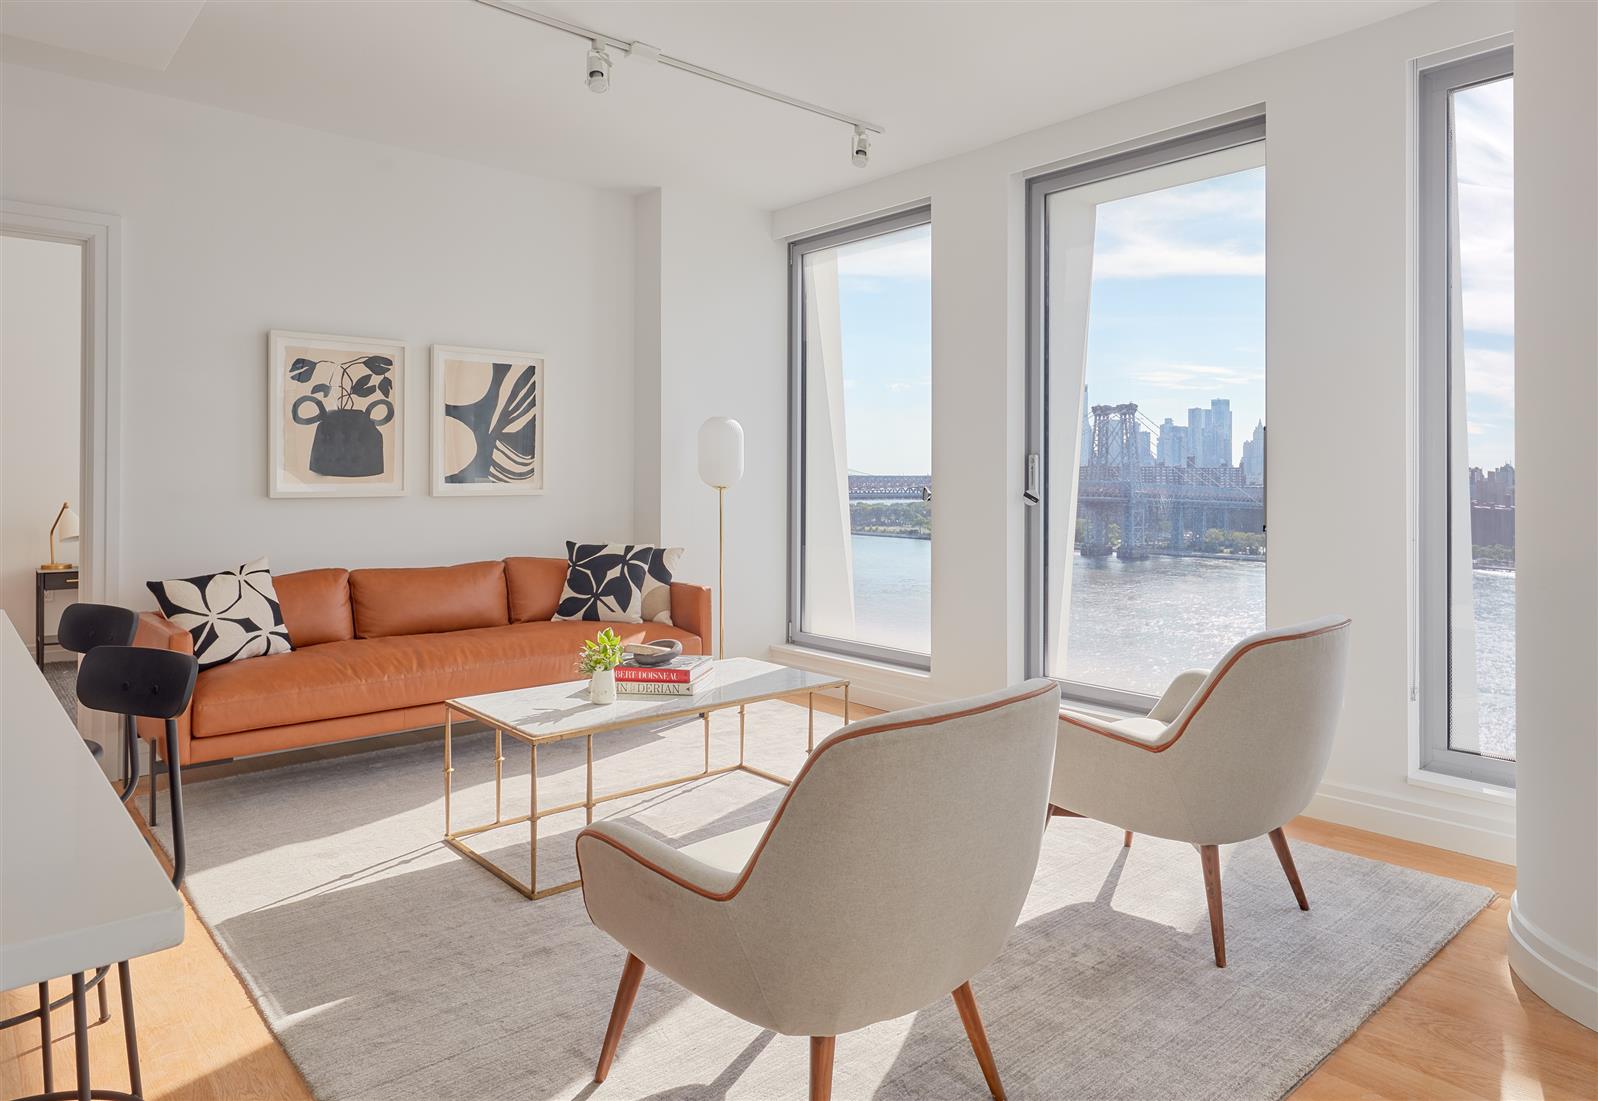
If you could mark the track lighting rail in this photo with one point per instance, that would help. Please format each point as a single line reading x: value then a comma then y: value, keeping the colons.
x: 642, y: 49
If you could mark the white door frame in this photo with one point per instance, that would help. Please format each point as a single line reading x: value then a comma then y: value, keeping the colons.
x: 100, y: 433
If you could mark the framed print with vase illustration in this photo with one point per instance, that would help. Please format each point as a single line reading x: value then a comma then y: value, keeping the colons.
x: 337, y: 416
x: 487, y: 420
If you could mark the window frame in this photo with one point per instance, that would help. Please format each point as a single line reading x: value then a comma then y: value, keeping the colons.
x: 798, y: 249
x: 1244, y: 128
x: 1434, y: 442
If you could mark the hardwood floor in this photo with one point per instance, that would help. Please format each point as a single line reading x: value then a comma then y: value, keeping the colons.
x: 1462, y: 1027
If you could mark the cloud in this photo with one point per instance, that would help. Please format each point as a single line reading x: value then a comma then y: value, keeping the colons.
x: 1484, y: 163
x: 1490, y: 373
x: 1151, y: 258
x: 1197, y: 377
x: 1211, y: 227
x: 903, y: 255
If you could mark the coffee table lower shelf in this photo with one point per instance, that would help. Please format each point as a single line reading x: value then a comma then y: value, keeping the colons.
x: 456, y: 839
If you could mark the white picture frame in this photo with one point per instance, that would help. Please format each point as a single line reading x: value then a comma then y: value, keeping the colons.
x: 465, y: 460
x: 317, y: 451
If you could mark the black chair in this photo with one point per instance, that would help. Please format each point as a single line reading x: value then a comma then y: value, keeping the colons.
x: 85, y: 626
x: 140, y: 681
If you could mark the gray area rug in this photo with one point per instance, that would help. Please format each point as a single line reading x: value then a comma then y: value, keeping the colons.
x: 393, y: 968
x: 62, y: 676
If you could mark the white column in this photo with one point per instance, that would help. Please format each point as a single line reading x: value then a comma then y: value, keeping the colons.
x: 1553, y: 925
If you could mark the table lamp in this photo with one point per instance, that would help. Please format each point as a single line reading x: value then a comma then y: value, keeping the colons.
x: 721, y: 464
x: 65, y: 528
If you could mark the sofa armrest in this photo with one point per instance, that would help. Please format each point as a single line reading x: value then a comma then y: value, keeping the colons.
x: 160, y: 633
x: 690, y: 610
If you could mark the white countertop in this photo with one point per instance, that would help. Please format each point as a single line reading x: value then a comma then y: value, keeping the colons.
x: 79, y: 887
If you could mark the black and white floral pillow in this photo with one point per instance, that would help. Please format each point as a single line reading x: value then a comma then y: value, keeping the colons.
x: 619, y: 583
x: 232, y: 615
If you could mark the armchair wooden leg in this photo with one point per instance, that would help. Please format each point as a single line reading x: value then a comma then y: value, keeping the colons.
x: 1285, y: 855
x: 821, y: 1049
x: 1127, y: 844
x: 631, y: 975
x: 966, y: 1003
x: 1210, y: 856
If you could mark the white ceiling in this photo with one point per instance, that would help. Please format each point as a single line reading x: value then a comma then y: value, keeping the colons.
x: 456, y: 78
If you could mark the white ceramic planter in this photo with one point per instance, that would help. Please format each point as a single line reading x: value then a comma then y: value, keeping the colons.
x: 602, y: 686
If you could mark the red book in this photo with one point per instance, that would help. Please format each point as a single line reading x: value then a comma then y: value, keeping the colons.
x: 683, y: 669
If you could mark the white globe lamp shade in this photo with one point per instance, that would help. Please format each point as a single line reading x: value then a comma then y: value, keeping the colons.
x: 721, y: 452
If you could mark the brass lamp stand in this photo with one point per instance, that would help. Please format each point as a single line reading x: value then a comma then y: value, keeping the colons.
x: 67, y: 522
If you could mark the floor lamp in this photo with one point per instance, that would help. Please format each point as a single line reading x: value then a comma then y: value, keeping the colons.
x: 721, y: 464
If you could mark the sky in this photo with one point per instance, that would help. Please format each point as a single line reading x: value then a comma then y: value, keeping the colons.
x: 1177, y: 315
x: 1484, y: 164
x: 1178, y: 306
x: 885, y: 297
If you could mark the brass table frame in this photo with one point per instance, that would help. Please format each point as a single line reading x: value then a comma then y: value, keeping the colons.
x: 455, y: 839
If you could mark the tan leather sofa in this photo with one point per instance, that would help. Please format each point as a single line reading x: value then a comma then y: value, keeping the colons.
x: 380, y: 650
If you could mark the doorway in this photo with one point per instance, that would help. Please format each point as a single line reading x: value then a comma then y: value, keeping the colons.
x: 59, y: 359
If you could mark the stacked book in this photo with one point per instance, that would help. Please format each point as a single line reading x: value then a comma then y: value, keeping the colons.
x: 683, y: 675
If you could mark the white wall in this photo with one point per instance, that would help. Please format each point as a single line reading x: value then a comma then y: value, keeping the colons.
x: 1339, y: 354
x: 721, y: 353
x: 41, y: 371
x: 235, y: 225
x: 1554, y: 916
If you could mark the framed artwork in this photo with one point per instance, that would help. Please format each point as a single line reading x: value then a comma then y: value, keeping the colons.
x: 337, y: 416
x: 487, y: 416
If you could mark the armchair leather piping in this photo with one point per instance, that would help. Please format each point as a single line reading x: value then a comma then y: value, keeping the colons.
x: 836, y: 739
x: 1204, y: 698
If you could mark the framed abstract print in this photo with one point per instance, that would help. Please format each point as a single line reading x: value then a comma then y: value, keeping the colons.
x: 337, y: 416
x: 487, y: 418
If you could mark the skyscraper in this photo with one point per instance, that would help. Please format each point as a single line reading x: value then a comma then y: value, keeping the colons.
x: 1254, y: 457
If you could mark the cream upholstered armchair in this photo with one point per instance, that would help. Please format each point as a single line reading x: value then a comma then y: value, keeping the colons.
x: 1226, y: 754
x: 893, y: 872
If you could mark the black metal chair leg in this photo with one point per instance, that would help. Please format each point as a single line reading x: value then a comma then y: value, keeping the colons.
x: 152, y: 784
x: 46, y: 1053
x: 125, y: 978
x: 80, y: 1037
x: 130, y: 755
x: 174, y: 791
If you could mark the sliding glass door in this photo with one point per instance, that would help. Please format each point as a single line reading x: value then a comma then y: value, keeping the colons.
x: 1148, y: 411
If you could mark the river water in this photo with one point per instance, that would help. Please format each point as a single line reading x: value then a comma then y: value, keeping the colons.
x: 1135, y: 625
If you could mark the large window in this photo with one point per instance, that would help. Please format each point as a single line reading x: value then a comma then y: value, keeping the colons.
x: 1148, y: 413
x: 861, y: 479
x: 1467, y: 418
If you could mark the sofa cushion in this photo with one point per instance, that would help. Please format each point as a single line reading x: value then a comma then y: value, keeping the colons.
x: 316, y: 606
x: 534, y: 585
x: 381, y: 674
x: 430, y: 599
x: 232, y: 615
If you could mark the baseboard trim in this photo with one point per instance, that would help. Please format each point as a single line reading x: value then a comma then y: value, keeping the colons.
x: 1562, y: 978
x: 1424, y: 821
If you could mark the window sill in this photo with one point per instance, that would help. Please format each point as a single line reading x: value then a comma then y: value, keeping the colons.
x: 1457, y: 785
x: 877, y: 683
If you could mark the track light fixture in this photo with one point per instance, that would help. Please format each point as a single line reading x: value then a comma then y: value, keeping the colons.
x: 860, y: 152
x: 598, y: 68
x: 599, y: 63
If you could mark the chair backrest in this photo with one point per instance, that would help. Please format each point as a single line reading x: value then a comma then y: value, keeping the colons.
x: 1253, y: 742
x: 85, y: 626
x: 137, y: 680
x: 900, y: 859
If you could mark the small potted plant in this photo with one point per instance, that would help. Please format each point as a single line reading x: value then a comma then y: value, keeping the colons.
x: 598, y: 659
